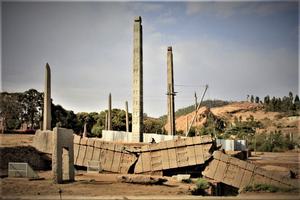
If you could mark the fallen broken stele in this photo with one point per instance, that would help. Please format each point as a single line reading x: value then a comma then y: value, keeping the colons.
x: 172, y: 154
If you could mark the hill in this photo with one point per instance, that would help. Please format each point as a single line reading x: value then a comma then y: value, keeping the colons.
x: 232, y: 113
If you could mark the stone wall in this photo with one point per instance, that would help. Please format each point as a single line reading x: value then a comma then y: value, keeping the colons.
x: 122, y: 136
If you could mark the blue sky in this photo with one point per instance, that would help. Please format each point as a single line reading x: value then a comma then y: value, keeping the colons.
x: 237, y: 48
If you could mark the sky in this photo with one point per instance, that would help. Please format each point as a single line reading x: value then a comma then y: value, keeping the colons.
x: 236, y: 48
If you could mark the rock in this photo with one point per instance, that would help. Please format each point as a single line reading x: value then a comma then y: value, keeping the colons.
x: 141, y: 179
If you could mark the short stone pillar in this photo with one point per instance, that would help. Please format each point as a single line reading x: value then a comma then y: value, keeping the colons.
x: 62, y: 155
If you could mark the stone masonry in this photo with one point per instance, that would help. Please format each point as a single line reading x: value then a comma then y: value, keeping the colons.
x: 63, y: 155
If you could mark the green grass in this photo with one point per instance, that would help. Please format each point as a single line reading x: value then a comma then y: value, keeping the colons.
x: 266, y: 188
x: 201, y: 185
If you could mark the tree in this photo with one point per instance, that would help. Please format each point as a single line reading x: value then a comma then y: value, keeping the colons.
x: 256, y: 99
x: 32, y: 105
x: 152, y: 125
x: 252, y: 99
x: 267, y: 100
x: 297, y: 103
x: 11, y: 110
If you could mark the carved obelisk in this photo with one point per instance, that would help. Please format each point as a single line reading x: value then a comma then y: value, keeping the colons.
x: 137, y: 100
x: 127, y: 117
x: 47, y: 100
x: 109, y: 125
x: 170, y: 93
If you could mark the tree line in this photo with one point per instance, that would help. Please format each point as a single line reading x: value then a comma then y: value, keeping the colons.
x: 289, y: 105
x: 27, y: 108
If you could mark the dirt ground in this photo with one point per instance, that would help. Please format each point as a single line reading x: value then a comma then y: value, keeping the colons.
x: 106, y: 185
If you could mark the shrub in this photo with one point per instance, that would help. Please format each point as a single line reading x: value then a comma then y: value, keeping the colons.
x: 97, y: 131
x: 260, y: 188
x: 201, y: 185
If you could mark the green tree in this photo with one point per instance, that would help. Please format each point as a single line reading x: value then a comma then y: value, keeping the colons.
x: 256, y: 99
x: 297, y: 103
x: 152, y: 125
x: 32, y: 105
x: 252, y: 99
x: 11, y: 110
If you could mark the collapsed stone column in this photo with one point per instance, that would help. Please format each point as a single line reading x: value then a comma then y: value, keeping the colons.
x: 47, y: 100
x: 137, y: 100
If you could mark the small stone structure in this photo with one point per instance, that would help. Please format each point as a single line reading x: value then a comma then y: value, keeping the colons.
x: 122, y: 136
x: 62, y: 155
x: 43, y: 141
x: 21, y: 169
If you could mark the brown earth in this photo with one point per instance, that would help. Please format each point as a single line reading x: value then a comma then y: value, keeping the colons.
x: 104, y: 184
x: 271, y: 120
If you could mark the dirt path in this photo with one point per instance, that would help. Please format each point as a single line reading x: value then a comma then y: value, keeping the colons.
x: 88, y: 184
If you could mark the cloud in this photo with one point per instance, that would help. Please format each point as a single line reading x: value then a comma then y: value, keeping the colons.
x: 229, y: 9
x: 91, y: 55
x: 148, y: 7
x: 234, y: 70
x: 219, y: 9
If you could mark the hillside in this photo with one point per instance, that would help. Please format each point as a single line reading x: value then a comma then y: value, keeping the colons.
x: 270, y: 121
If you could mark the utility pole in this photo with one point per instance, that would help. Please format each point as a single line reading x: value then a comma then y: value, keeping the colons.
x: 198, y: 107
x: 196, y: 100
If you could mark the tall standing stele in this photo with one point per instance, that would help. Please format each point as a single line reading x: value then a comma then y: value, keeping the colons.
x: 109, y: 123
x: 170, y: 93
x: 47, y: 100
x: 137, y: 100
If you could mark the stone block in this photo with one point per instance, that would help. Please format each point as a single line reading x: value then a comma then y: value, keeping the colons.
x: 225, y: 158
x: 156, y: 161
x: 43, y: 141
x: 197, y: 140
x: 76, y: 152
x: 211, y: 169
x: 81, y: 155
x: 199, y: 154
x: 96, y: 154
x: 181, y: 155
x: 189, y: 141
x: 146, y: 161
x: 91, y: 142
x: 220, y: 171
x: 63, y: 155
x: 206, y: 139
x: 83, y: 141
x: 250, y: 167
x: 247, y: 179
x: 76, y: 139
x: 181, y: 177
x: 98, y: 143
x: 217, y: 155
x: 191, y: 155
x: 88, y: 155
x: 116, y: 162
